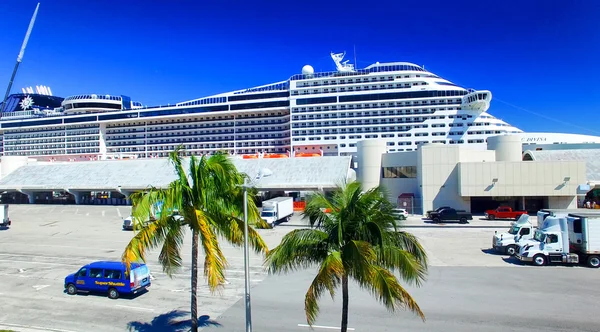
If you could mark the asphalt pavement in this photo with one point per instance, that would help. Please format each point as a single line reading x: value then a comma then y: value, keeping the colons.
x: 454, y: 299
x: 468, y: 285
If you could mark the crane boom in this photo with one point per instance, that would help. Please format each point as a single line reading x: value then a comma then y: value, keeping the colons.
x: 19, y: 57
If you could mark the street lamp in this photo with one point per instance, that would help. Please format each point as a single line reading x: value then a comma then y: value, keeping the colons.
x: 263, y: 172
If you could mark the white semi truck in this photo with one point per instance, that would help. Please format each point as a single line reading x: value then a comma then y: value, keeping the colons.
x: 573, y: 239
x: 4, y: 219
x: 523, y: 230
x: 277, y: 209
x: 506, y: 243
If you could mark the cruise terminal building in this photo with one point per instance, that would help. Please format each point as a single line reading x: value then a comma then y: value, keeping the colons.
x: 476, y: 180
x: 523, y: 176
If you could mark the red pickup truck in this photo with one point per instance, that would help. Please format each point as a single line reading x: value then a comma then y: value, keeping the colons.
x: 504, y: 212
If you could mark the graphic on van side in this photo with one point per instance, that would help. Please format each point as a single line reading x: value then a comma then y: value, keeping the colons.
x: 109, y: 283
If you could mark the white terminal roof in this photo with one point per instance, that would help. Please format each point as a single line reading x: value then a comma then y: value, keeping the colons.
x: 308, y: 173
x: 590, y: 156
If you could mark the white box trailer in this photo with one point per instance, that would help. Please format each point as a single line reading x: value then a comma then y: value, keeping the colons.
x: 4, y: 219
x: 277, y: 209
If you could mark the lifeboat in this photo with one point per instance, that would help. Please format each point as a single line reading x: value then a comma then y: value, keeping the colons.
x: 275, y: 155
x: 308, y: 155
x: 249, y: 156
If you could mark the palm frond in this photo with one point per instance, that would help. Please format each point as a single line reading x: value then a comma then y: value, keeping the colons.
x: 254, y: 218
x: 214, y: 260
x: 177, y: 162
x: 386, y: 288
x: 300, y: 248
x: 147, y: 237
x: 315, y: 210
x: 358, y: 257
x: 396, y: 259
x: 372, y: 233
x: 328, y: 278
x: 170, y: 254
x: 409, y: 242
x: 232, y: 229
x: 255, y: 241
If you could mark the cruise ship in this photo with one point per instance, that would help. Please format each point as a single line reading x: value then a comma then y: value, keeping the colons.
x: 309, y: 114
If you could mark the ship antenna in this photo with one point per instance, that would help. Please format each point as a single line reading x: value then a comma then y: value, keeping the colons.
x: 20, y: 57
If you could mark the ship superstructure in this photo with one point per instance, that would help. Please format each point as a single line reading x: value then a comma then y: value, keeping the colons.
x: 322, y: 113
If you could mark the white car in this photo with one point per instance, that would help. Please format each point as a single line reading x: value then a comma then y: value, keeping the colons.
x: 401, y: 213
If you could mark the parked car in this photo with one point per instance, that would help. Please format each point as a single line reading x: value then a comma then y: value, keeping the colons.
x: 436, y: 210
x: 504, y: 212
x: 109, y: 277
x: 402, y: 214
x: 451, y: 215
x: 128, y: 223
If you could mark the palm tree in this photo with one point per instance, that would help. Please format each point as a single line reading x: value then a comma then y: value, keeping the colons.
x: 209, y: 203
x: 353, y: 234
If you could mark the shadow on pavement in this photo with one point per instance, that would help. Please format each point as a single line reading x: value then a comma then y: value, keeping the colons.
x: 4, y: 228
x: 513, y: 260
x: 170, y: 322
x: 492, y: 252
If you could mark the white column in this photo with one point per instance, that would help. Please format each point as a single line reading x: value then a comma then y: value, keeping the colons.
x: 369, y: 162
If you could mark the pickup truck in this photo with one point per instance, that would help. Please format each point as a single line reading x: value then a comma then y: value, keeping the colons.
x: 504, y: 212
x: 436, y: 210
x: 451, y: 215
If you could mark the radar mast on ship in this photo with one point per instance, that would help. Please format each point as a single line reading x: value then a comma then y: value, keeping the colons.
x: 343, y: 67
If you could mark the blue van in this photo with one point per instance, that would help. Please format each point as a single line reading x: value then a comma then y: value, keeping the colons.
x: 109, y: 277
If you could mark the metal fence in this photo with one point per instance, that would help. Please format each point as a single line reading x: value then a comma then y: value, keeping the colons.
x: 413, y: 205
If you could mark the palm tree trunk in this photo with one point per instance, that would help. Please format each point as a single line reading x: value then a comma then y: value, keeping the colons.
x: 344, y: 303
x: 194, y: 308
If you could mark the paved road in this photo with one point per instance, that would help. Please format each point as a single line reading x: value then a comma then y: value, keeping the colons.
x: 454, y: 299
x: 46, y: 243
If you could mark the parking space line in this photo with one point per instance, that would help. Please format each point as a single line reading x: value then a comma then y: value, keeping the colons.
x: 33, y: 327
x: 134, y: 308
x: 42, y: 263
x: 61, y: 246
x: 251, y: 280
x: 323, y: 327
x: 118, y: 212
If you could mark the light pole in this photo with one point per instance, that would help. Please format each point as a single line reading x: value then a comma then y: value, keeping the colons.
x: 261, y: 173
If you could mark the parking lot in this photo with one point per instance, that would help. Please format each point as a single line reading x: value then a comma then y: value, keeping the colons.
x: 46, y: 243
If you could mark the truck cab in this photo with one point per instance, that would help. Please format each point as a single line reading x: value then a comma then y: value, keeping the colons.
x: 521, y: 230
x: 548, y: 243
x: 4, y: 219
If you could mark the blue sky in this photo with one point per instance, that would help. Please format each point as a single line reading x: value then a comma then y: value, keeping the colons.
x: 541, y: 56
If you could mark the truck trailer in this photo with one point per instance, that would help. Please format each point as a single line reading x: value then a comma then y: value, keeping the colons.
x: 574, y: 239
x: 277, y: 209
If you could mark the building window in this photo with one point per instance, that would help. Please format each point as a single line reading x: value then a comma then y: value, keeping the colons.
x: 403, y: 172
